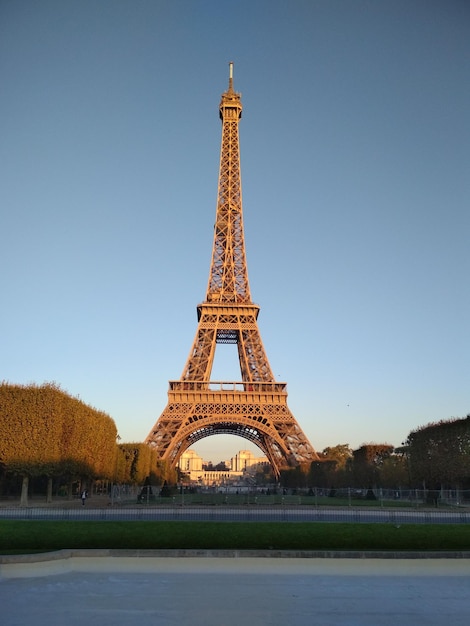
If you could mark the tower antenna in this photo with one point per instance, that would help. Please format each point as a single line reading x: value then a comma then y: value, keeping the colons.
x: 230, y: 76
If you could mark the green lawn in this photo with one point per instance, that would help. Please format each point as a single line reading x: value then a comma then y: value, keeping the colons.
x: 41, y: 536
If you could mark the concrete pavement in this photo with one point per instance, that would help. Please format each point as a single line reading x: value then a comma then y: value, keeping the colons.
x: 208, y: 591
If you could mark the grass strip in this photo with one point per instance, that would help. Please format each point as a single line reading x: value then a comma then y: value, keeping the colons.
x: 21, y: 537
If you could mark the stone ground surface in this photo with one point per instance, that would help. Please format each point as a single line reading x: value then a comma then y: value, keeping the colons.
x: 236, y: 591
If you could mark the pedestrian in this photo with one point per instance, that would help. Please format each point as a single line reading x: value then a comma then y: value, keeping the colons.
x: 84, y: 496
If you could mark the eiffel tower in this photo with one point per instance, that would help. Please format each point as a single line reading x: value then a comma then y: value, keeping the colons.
x: 255, y: 408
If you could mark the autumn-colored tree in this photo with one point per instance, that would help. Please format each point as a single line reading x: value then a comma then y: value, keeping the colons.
x: 134, y: 463
x: 88, y: 441
x: 31, y: 424
x: 162, y: 472
x: 334, y: 468
x: 341, y: 453
x: 47, y: 432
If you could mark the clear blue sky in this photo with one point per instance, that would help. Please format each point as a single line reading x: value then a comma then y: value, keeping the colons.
x: 355, y: 148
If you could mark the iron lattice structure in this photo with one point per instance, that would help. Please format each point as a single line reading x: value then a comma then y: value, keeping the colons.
x: 255, y: 408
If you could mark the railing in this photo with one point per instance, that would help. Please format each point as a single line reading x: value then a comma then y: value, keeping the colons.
x: 220, y: 386
x: 225, y: 504
x: 178, y: 511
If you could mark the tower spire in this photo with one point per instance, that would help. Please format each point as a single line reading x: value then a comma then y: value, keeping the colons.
x: 230, y: 76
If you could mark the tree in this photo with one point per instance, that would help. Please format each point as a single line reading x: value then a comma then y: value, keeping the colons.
x: 30, y: 423
x: 368, y: 460
x: 394, y: 471
x: 340, y: 453
x: 439, y: 453
x: 46, y: 432
x: 134, y: 462
x: 295, y: 477
x: 334, y: 469
x: 264, y: 474
x: 323, y: 473
x: 163, y: 472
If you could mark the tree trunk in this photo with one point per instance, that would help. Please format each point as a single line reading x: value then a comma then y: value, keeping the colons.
x: 49, y: 490
x: 24, y: 491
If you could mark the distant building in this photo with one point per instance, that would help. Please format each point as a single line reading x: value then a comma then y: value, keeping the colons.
x: 192, y: 465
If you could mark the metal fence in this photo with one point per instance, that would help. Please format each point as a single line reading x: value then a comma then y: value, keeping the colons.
x: 349, y: 496
x: 131, y: 503
x: 248, y: 513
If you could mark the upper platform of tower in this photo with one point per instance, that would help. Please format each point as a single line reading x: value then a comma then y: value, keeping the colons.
x: 230, y: 102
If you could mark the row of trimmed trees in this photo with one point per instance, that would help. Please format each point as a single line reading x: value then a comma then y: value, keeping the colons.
x: 47, y: 434
x: 439, y: 454
x: 434, y: 456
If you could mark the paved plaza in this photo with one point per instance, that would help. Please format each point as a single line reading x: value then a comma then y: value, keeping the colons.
x: 210, y: 591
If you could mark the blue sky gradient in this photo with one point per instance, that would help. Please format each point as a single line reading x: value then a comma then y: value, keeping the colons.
x: 355, y: 154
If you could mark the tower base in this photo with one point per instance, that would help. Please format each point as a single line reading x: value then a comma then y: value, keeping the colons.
x: 256, y: 411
